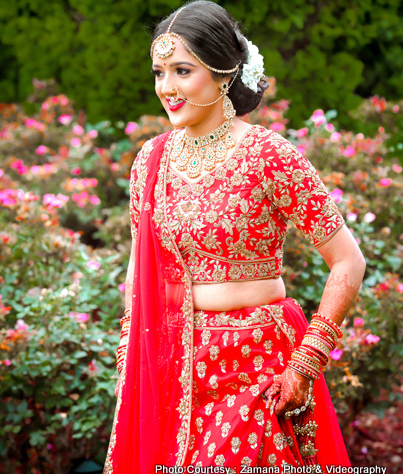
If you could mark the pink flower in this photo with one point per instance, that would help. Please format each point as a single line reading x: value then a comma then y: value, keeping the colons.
x: 352, y: 216
x: 395, y: 109
x: 93, y: 182
x: 55, y: 100
x: 318, y: 117
x: 130, y: 127
x: 277, y: 126
x: 386, y: 182
x: 302, y: 132
x: 335, y: 137
x: 78, y: 130
x: 65, y: 119
x: 94, y: 200
x: 49, y: 446
x: 92, y: 366
x: 122, y: 287
x: 21, y: 325
x: 301, y: 149
x: 399, y: 288
x: 358, y: 322
x: 369, y: 217
x: 76, y: 142
x: 41, y: 150
x: 395, y: 168
x: 93, y: 265
x: 336, y: 354
x: 114, y: 167
x: 93, y: 133
x: 349, y: 151
x: 82, y: 317
x: 329, y: 127
x: 55, y: 201
x: 336, y: 195
x: 64, y: 101
x: 7, y: 362
x: 359, y: 136
x: 379, y: 159
x: 45, y: 106
x: 76, y: 171
x: 358, y: 240
x: 1, y: 172
x: 19, y: 166
x: 35, y: 169
x: 371, y: 339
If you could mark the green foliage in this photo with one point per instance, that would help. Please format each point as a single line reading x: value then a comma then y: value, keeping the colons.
x: 323, y: 54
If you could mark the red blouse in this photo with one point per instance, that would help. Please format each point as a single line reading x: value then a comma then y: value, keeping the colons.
x: 231, y: 224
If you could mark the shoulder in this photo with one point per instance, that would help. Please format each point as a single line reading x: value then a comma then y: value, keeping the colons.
x: 274, y: 142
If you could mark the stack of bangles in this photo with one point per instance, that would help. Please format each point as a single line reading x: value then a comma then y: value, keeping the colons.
x: 121, y: 350
x: 313, y: 353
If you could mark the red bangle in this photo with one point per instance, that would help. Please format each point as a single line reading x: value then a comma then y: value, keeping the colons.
x: 331, y: 323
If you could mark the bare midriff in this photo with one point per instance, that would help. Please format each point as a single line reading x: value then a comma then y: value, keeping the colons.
x: 237, y: 295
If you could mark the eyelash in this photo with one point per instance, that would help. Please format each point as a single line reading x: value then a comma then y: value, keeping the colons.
x: 178, y: 70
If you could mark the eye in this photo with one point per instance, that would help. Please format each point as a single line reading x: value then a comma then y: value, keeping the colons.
x: 156, y: 72
x: 182, y: 72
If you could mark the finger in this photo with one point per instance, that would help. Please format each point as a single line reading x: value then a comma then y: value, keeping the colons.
x: 272, y: 392
x: 282, y: 405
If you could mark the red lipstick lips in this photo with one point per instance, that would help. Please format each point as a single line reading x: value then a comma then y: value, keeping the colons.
x: 172, y: 108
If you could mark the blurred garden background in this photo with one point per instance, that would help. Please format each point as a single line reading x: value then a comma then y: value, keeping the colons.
x: 77, y: 103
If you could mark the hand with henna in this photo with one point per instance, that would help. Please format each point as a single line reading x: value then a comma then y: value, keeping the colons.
x: 288, y: 392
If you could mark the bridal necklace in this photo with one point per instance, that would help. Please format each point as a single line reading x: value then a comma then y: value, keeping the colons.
x: 195, y: 154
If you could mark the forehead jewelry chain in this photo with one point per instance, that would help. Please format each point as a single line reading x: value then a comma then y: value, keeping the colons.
x: 164, y: 47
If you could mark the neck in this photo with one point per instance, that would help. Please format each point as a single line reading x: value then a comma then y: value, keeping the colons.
x: 212, y: 122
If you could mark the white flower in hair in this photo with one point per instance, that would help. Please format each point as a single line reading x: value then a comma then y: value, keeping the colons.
x: 253, y: 70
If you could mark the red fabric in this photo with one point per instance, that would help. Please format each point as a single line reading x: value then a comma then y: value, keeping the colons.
x: 230, y: 225
x: 155, y: 412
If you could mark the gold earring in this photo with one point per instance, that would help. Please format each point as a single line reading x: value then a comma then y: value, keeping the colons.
x: 228, y: 107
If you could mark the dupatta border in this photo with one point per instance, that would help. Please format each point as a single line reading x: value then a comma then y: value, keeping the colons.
x: 186, y: 377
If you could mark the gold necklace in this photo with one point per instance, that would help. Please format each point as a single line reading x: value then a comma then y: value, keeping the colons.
x: 195, y: 154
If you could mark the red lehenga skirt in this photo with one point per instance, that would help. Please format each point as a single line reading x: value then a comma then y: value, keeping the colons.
x: 237, y: 355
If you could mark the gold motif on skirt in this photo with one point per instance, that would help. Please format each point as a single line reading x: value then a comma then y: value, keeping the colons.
x: 218, y: 418
x: 245, y: 351
x: 214, y: 351
x: 259, y: 417
x: 243, y: 377
x: 257, y: 335
x: 223, y: 365
x: 211, y: 449
x: 244, y: 412
x: 252, y: 440
x: 258, y: 362
x: 235, y: 444
x: 225, y: 429
x: 208, y: 408
x: 206, y: 437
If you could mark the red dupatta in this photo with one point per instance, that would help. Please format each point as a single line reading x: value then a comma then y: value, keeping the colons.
x: 152, y: 416
x: 153, y: 411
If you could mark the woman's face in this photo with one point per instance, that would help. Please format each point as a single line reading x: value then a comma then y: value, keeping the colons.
x: 183, y: 71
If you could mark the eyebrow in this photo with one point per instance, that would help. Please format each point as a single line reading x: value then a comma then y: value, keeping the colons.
x: 177, y: 64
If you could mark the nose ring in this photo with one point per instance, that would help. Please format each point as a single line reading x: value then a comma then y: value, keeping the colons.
x: 175, y: 89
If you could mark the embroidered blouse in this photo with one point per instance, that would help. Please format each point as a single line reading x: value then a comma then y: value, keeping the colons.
x: 231, y: 224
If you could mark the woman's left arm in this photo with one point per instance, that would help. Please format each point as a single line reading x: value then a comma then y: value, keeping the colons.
x: 347, y: 267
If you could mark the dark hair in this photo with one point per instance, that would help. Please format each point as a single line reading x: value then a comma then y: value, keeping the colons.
x: 215, y: 37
